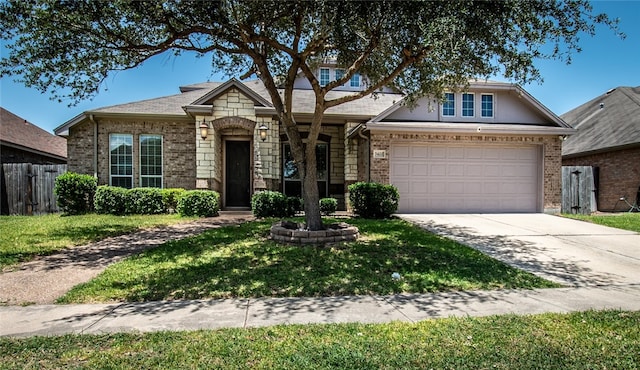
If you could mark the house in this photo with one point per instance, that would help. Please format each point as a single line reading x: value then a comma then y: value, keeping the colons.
x: 23, y: 142
x: 27, y: 189
x: 608, y: 139
x: 491, y: 148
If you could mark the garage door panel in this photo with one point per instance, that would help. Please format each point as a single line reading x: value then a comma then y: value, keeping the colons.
x: 400, y: 152
x: 437, y: 152
x: 421, y: 169
x: 474, y: 170
x: 466, y: 178
x: 419, y: 152
x: 438, y: 170
x: 456, y: 170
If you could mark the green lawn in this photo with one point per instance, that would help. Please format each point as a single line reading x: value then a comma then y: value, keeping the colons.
x: 586, y: 340
x: 626, y: 221
x: 239, y: 261
x: 24, y: 237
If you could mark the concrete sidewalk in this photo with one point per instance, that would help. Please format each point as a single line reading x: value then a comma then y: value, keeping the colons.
x: 240, y: 313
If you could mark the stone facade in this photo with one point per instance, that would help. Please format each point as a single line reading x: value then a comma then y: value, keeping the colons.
x: 619, y: 175
x: 178, y: 149
x: 551, y: 160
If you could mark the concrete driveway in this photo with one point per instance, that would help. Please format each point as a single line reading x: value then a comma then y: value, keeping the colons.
x: 570, y: 252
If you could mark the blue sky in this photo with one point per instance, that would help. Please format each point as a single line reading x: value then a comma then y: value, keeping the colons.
x: 605, y: 62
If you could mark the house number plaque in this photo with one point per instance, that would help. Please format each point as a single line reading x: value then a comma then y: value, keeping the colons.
x: 379, y: 154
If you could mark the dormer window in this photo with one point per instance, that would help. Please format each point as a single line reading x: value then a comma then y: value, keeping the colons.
x: 449, y: 105
x: 487, y: 105
x: 467, y: 105
x: 355, y: 80
x: 325, y: 76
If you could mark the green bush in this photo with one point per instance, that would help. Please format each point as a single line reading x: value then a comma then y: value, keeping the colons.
x: 110, y: 200
x: 144, y: 201
x: 203, y: 203
x: 170, y: 198
x: 373, y: 200
x: 274, y: 204
x: 294, y: 205
x: 75, y: 192
x: 328, y: 206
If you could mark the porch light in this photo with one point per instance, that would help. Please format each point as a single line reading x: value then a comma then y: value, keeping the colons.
x: 204, y: 129
x: 263, y: 131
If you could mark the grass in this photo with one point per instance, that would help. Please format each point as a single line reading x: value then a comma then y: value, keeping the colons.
x: 625, y: 221
x: 24, y: 237
x: 239, y: 261
x: 586, y: 340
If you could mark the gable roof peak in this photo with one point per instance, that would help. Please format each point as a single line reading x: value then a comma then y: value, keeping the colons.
x: 232, y: 83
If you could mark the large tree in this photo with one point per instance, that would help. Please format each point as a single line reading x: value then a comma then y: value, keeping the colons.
x: 68, y: 48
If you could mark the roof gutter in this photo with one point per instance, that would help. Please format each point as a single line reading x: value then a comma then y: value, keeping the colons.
x: 464, y: 128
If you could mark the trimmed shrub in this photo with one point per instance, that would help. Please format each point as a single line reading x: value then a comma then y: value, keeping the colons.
x: 294, y: 206
x: 170, y: 198
x: 144, y: 201
x: 328, y: 206
x: 373, y: 200
x: 75, y: 192
x: 110, y: 200
x: 274, y: 204
x: 203, y: 203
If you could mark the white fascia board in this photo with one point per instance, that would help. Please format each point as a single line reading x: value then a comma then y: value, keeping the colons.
x: 467, y: 128
x: 63, y: 129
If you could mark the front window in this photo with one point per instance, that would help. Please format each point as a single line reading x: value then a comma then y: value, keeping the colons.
x: 339, y: 73
x: 121, y: 160
x: 467, y: 105
x: 487, y: 105
x: 291, y: 176
x: 355, y: 80
x: 449, y: 105
x: 151, y: 161
x: 324, y: 76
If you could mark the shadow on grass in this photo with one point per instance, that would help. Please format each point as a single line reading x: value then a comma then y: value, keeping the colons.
x: 239, y: 262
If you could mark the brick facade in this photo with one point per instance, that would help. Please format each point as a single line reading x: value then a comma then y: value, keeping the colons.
x: 178, y: 140
x: 619, y: 175
x: 551, y: 160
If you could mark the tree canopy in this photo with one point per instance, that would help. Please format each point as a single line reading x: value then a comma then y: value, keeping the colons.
x: 68, y: 47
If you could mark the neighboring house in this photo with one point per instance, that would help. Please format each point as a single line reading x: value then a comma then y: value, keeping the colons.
x: 608, y: 139
x: 24, y: 142
x: 493, y: 148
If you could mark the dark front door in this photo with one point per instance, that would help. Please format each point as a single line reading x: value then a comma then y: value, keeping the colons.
x: 237, y: 174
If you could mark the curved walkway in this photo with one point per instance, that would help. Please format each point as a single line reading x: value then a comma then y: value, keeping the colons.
x: 43, y: 280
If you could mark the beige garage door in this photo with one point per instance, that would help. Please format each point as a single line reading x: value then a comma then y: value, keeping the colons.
x: 466, y: 178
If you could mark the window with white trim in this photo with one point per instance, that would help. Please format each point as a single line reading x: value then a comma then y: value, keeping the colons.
x: 339, y: 73
x: 487, y: 105
x: 467, y: 105
x: 121, y: 160
x: 449, y: 105
x: 324, y: 76
x: 355, y: 80
x: 151, y: 161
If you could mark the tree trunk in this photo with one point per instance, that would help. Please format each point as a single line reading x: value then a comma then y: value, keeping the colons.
x: 311, y: 194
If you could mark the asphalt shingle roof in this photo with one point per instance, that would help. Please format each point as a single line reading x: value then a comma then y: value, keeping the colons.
x: 18, y: 131
x: 608, y: 121
x: 304, y: 101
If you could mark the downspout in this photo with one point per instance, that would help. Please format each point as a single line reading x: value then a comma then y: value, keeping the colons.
x: 366, y: 139
x: 95, y: 146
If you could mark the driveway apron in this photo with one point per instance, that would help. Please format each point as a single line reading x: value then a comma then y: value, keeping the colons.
x: 570, y: 252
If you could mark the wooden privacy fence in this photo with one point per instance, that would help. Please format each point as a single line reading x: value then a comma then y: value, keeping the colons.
x: 578, y: 190
x: 29, y: 187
